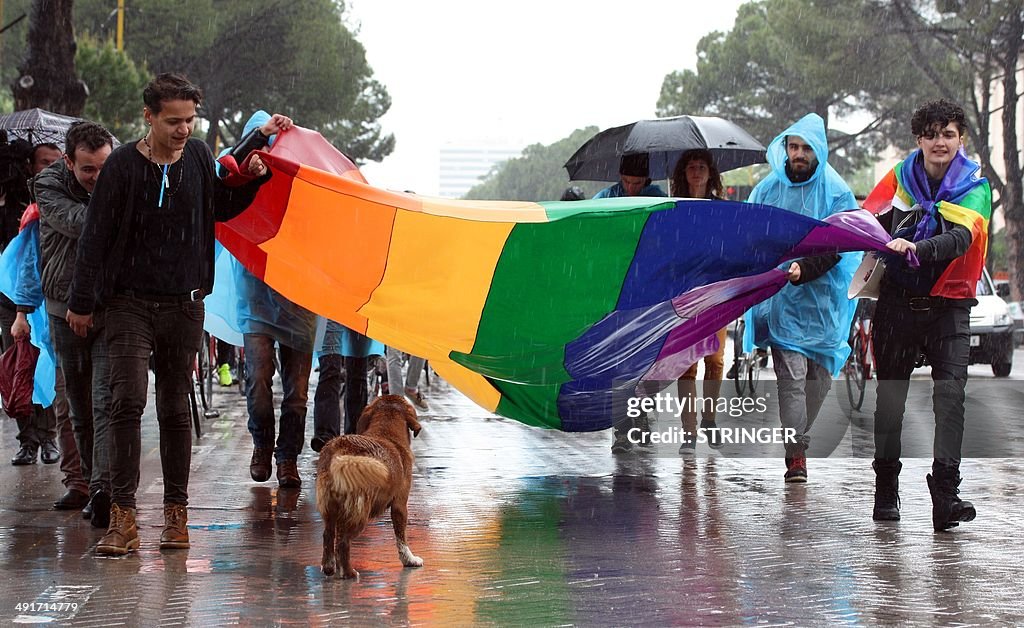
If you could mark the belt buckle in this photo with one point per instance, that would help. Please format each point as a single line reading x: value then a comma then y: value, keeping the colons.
x: 920, y: 304
x: 195, y: 295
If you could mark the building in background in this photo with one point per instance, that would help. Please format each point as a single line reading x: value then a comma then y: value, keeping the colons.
x: 464, y: 165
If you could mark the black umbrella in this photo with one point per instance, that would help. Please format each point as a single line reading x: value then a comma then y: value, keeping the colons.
x: 665, y: 140
x: 37, y: 126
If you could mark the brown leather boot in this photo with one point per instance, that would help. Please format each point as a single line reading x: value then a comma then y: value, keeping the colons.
x: 122, y: 535
x: 288, y: 474
x: 175, y: 534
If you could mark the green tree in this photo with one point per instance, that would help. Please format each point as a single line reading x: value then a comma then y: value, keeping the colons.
x: 785, y: 58
x: 298, y: 58
x: 115, y: 85
x: 536, y: 176
x: 986, y: 38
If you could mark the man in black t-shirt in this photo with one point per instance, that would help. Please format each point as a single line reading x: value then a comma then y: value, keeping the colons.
x: 147, y: 253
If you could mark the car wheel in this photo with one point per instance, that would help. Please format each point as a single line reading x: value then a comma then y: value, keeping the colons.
x: 1002, y: 369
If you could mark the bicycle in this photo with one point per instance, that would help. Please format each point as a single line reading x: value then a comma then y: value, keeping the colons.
x: 203, y: 383
x: 858, y: 368
x: 747, y: 365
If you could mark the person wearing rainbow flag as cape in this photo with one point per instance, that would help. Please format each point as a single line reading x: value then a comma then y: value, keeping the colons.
x: 936, y: 205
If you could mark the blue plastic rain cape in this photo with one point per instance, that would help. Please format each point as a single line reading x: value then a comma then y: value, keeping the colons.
x: 814, y: 318
x: 21, y: 281
x: 340, y: 340
x: 240, y: 303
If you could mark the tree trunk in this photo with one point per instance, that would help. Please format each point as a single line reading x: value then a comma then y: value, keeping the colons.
x: 47, y: 77
x: 1013, y: 189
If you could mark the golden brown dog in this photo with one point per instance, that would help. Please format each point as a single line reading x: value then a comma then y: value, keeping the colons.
x: 361, y: 475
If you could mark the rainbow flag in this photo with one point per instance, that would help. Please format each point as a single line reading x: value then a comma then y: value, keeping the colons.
x: 964, y: 198
x: 548, y: 313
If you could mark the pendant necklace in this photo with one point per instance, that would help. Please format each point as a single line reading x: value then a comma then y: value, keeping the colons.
x: 163, y: 171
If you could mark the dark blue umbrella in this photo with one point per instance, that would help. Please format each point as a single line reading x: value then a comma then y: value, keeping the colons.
x: 665, y: 140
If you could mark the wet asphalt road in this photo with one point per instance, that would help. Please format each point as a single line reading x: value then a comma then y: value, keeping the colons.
x: 520, y: 526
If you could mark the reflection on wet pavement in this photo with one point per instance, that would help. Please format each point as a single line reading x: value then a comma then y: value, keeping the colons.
x: 523, y: 526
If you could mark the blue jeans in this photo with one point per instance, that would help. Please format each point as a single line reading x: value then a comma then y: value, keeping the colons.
x: 86, y: 366
x: 259, y: 395
x: 412, y: 376
x: 172, y: 332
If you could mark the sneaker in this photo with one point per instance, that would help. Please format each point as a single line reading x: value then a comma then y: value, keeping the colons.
x: 259, y: 466
x: 175, y: 534
x: 796, y: 469
x: 621, y: 444
x: 688, y: 449
x: 224, y: 375
x: 288, y: 474
x: 100, y: 516
x: 416, y: 398
x: 122, y: 535
x: 714, y: 435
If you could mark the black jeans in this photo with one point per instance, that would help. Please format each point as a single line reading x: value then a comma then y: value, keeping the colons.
x: 327, y: 398
x: 335, y: 370
x: 356, y: 391
x: 900, y: 334
x: 86, y: 367
x: 173, y: 333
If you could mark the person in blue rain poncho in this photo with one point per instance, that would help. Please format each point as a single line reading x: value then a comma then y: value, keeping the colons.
x: 267, y: 320
x: 806, y: 325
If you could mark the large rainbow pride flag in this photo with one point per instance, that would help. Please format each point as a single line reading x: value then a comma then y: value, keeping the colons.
x: 548, y: 313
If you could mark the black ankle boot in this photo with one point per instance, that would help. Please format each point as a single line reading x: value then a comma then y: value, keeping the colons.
x: 948, y: 510
x: 887, y: 490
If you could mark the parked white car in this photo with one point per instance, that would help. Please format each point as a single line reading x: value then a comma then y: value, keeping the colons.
x: 991, y: 329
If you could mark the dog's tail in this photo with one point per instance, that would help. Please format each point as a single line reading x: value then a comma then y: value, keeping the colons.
x: 353, y: 488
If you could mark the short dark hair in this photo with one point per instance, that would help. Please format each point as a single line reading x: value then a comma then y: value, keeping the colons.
x: 170, y: 86
x: 87, y: 135
x: 635, y: 165
x: 36, y: 148
x: 937, y: 114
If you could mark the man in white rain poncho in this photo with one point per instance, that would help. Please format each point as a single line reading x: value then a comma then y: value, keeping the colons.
x: 807, y: 323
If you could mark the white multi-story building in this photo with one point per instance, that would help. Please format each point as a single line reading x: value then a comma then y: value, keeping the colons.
x: 463, y: 166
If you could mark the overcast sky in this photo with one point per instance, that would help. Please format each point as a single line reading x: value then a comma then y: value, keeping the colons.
x: 514, y: 73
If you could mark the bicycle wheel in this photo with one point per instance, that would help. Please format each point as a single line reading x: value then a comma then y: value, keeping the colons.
x: 195, y: 412
x: 753, y: 375
x: 241, y: 371
x: 854, y: 374
x: 739, y: 359
x: 207, y: 367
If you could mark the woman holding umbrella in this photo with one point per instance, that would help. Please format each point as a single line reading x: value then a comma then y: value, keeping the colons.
x: 697, y: 176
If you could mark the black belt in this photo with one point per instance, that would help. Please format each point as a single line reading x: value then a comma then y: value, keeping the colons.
x: 193, y: 295
x: 923, y: 304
